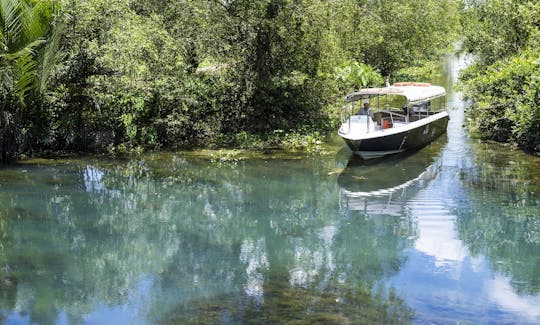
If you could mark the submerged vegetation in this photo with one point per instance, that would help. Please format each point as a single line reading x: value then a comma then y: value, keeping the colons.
x: 175, y: 73
x: 291, y: 305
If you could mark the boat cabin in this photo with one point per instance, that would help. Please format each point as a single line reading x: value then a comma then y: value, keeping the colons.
x: 393, y: 106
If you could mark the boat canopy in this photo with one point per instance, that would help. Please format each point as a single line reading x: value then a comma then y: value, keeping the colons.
x: 415, y: 92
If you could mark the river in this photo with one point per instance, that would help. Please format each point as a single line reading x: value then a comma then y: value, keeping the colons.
x: 448, y: 234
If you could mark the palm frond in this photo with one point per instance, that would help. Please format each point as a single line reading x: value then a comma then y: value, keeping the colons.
x: 31, y: 47
x: 25, y: 28
x: 23, y: 71
x: 26, y: 66
x: 6, y: 79
x: 3, y: 46
x: 32, y: 23
x: 49, y: 57
x: 12, y: 20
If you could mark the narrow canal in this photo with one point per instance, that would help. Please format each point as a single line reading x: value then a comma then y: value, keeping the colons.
x: 448, y: 234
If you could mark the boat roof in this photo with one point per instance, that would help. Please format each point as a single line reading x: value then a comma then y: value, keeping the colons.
x: 413, y: 91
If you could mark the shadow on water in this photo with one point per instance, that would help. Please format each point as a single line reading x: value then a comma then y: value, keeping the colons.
x: 382, y: 186
x: 387, y: 172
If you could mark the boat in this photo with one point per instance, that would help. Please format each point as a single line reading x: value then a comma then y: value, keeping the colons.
x: 404, y: 116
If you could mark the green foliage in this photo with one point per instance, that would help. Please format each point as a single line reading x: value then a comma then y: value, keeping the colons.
x: 28, y: 43
x: 391, y: 35
x: 180, y: 72
x: 504, y: 36
x: 357, y: 75
x: 507, y: 100
x: 274, y: 65
x: 499, y: 29
x: 421, y: 72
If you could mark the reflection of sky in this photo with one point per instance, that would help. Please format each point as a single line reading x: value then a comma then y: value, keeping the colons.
x: 128, y: 313
x: 437, y: 235
x: 93, y: 179
x: 441, y: 282
x: 310, y: 265
x: 461, y: 289
x: 501, y: 292
x: 254, y: 256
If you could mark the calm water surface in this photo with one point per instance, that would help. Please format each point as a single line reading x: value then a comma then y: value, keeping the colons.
x: 449, y: 234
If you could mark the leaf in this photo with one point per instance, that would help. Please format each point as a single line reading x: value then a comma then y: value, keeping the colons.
x: 49, y: 57
x: 27, y: 73
x: 12, y: 19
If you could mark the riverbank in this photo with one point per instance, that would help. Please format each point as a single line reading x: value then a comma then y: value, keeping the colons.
x: 240, y: 146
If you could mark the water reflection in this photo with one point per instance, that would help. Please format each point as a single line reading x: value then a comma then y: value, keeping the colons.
x: 504, y: 222
x: 93, y: 179
x: 254, y: 256
x: 167, y: 239
x: 142, y: 242
x: 448, y: 234
x: 473, y: 249
x: 503, y: 292
x: 382, y: 187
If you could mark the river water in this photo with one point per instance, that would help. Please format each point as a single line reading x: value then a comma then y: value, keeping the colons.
x: 448, y: 234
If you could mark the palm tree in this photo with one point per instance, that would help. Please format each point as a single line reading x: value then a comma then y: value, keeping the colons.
x: 28, y: 42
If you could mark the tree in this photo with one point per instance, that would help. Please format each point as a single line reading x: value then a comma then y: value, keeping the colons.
x: 499, y: 29
x: 507, y: 100
x: 27, y: 54
x: 504, y: 37
x: 183, y: 72
x: 357, y: 75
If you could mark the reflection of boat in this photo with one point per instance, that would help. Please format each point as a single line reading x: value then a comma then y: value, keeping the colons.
x: 374, y: 188
x: 391, y: 130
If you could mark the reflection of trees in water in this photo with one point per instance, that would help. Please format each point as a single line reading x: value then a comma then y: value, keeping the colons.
x: 8, y: 284
x: 79, y: 237
x: 292, y: 248
x: 504, y: 223
x: 70, y: 248
x: 280, y: 278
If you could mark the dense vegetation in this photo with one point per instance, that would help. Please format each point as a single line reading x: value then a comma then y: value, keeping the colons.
x: 504, y: 84
x: 28, y: 40
x: 96, y: 74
